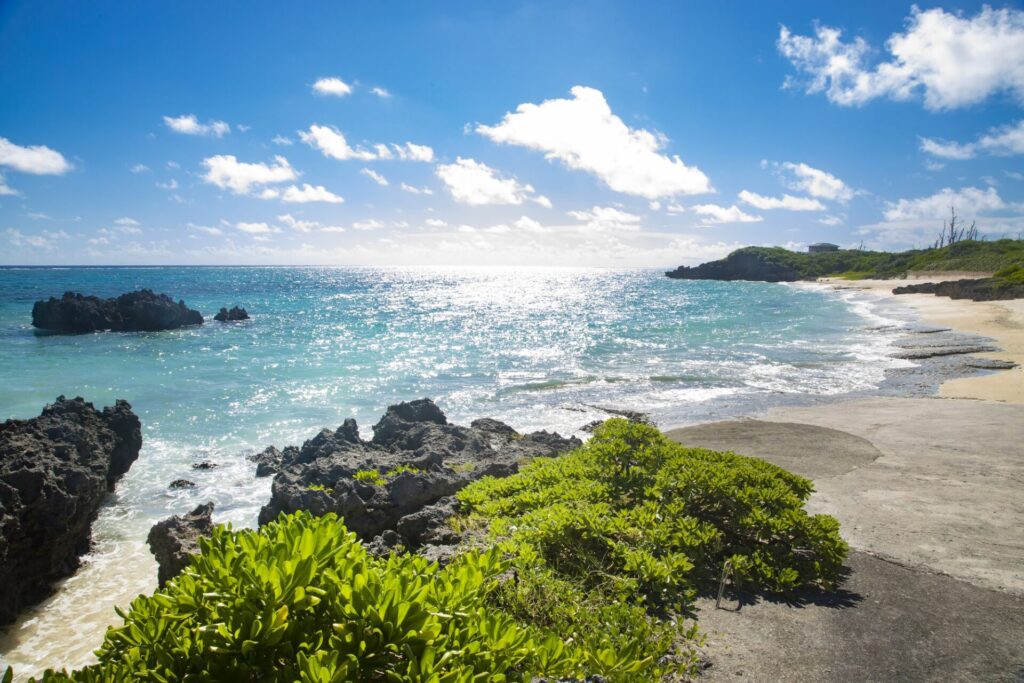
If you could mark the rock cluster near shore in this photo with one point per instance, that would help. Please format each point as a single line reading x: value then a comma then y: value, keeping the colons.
x: 55, y: 471
x: 236, y: 313
x: 396, y: 488
x: 139, y: 311
x: 977, y: 289
x: 173, y: 541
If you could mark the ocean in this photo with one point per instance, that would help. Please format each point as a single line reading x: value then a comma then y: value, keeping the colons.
x: 537, y: 348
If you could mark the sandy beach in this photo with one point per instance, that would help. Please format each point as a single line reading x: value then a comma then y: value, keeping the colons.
x: 928, y: 493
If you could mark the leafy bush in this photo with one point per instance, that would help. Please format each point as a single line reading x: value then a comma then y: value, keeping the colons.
x: 301, y: 600
x: 634, y: 515
x: 370, y: 477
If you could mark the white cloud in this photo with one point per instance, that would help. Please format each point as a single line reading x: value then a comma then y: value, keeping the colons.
x: 46, y: 240
x: 307, y: 226
x: 370, y: 224
x: 607, y: 218
x: 36, y: 159
x: 968, y: 201
x: 307, y: 193
x: 416, y: 190
x: 813, y: 181
x: 831, y: 220
x: 188, y: 124
x: 171, y: 184
x: 674, y: 208
x: 332, y: 143
x: 413, y: 152
x: 254, y: 228
x: 435, y: 222
x: 139, y: 168
x: 281, y: 140
x: 332, y: 86
x: 1001, y: 141
x: 584, y: 134
x: 719, y: 214
x: 787, y: 201
x: 375, y: 177
x: 527, y: 224
x: 6, y: 190
x: 226, y: 172
x: 126, y: 221
x: 952, y: 60
x: 477, y: 184
x: 205, y: 229
x: 380, y: 92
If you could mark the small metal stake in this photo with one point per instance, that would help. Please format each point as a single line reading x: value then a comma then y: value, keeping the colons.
x: 726, y: 573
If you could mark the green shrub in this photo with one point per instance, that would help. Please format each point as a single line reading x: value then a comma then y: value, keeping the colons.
x: 301, y: 600
x: 370, y: 477
x: 638, y: 517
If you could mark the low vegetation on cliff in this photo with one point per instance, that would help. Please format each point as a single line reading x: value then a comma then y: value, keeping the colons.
x: 1004, y: 257
x: 577, y: 565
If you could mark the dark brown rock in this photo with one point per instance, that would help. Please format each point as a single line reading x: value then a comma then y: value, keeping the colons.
x: 235, y: 314
x: 175, y: 540
x: 55, y: 471
x: 139, y: 311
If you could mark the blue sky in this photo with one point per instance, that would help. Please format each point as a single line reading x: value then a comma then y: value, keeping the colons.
x: 591, y: 133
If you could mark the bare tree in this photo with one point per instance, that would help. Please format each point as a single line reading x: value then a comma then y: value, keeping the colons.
x: 953, y: 231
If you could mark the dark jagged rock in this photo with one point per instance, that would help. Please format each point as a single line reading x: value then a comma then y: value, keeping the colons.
x: 923, y: 352
x: 182, y: 484
x: 978, y: 289
x: 55, y: 470
x: 739, y: 265
x: 205, y: 465
x: 268, y: 461
x: 174, y: 540
x: 139, y: 311
x: 420, y: 461
x: 236, y: 313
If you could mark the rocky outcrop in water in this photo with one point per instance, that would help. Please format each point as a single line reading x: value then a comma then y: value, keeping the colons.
x: 55, y: 471
x: 396, y: 488
x: 139, y: 311
x: 236, y: 313
x: 739, y: 265
x: 979, y: 289
x: 176, y: 539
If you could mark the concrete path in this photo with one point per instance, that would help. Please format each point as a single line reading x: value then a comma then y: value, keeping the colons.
x: 930, y: 496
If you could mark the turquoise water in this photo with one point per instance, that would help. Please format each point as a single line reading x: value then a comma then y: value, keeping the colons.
x: 536, y: 348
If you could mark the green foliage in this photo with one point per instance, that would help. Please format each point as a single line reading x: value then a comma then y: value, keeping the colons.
x: 301, y: 600
x: 636, y: 516
x: 968, y: 255
x: 370, y: 477
x: 319, y: 487
x: 398, y: 469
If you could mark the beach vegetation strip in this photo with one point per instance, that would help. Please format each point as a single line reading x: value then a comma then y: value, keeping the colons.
x: 584, y: 564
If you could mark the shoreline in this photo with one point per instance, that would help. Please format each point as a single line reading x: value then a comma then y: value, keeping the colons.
x: 926, y: 490
x: 1001, y: 321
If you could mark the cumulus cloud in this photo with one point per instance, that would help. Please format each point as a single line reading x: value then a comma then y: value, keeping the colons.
x: 254, y: 228
x: 715, y: 214
x: 416, y: 190
x: 1001, y: 141
x: 46, y: 240
x: 227, y: 172
x: 813, y: 181
x: 380, y: 92
x: 950, y: 59
x: 307, y: 193
x: 787, y: 201
x: 332, y: 143
x: 300, y: 225
x: 968, y: 201
x: 188, y: 124
x: 281, y: 140
x: 413, y: 152
x: 6, y: 190
x: 375, y: 177
x: 206, y: 229
x: 585, y: 135
x: 607, y: 218
x: 367, y: 225
x: 139, y: 168
x: 332, y: 86
x: 35, y: 159
x: 477, y: 184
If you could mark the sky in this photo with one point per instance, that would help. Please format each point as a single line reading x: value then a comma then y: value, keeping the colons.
x: 606, y: 134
